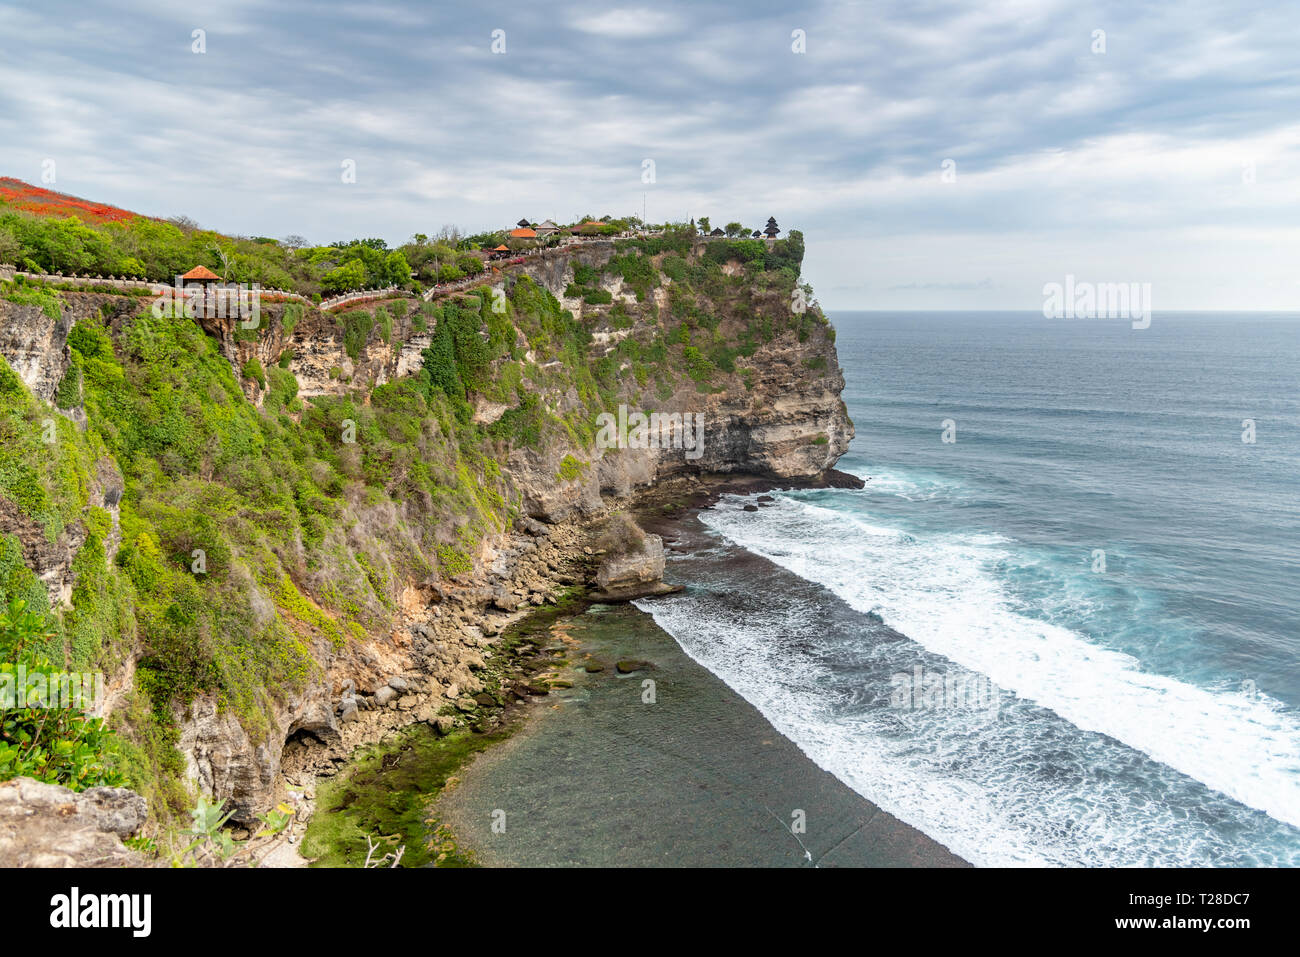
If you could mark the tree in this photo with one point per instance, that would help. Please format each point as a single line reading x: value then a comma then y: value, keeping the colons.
x: 293, y: 241
x: 226, y: 261
x: 396, y: 269
x: 470, y: 265
x: 351, y: 275
x: 734, y: 229
x: 448, y: 234
x: 10, y: 247
x: 704, y: 226
x: 372, y: 243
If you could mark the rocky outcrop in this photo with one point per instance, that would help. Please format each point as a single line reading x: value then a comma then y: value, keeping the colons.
x: 51, y: 561
x: 46, y: 825
x: 223, y: 759
x: 634, y: 574
x: 789, y: 425
x: 36, y: 347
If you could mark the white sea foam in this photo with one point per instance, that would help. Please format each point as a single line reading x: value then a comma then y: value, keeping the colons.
x: 940, y: 593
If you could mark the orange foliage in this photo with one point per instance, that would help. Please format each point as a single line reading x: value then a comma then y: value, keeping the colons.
x: 44, y: 202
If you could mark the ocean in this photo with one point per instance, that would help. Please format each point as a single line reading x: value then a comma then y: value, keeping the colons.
x: 1061, y: 623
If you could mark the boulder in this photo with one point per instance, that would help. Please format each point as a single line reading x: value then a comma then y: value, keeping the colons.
x: 46, y: 825
x: 533, y: 527
x: 633, y: 564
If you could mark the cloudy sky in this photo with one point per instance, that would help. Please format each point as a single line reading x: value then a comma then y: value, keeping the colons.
x: 1166, y: 151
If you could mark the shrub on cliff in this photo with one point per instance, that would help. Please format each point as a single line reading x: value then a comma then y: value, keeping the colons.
x: 40, y: 737
x: 357, y: 324
x: 620, y: 535
x: 35, y: 295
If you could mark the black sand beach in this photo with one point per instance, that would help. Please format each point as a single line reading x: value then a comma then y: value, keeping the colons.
x: 681, y: 772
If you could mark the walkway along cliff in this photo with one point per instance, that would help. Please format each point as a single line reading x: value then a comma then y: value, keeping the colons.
x: 278, y: 542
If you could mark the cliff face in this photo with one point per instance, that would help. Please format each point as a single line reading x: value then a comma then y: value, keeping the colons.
x: 782, y: 418
x: 366, y: 589
x: 36, y: 346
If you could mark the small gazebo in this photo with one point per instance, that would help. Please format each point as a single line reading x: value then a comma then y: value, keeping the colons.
x: 200, y: 276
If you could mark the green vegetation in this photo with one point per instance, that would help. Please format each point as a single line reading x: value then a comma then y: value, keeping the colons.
x: 68, y: 395
x: 59, y: 745
x: 159, y: 251
x: 570, y: 468
x: 357, y: 325
x: 245, y: 543
x: 385, y: 794
x: 253, y: 370
x: 32, y: 295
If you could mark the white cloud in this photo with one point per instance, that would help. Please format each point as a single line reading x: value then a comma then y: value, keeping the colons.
x: 1061, y: 155
x: 629, y: 23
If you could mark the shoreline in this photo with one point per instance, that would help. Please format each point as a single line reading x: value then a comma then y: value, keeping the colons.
x: 749, y: 761
x: 383, y: 788
x: 695, y: 776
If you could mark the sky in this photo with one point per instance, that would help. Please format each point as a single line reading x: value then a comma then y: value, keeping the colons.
x: 936, y: 155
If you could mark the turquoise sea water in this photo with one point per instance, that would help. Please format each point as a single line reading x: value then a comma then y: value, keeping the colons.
x: 1098, y: 553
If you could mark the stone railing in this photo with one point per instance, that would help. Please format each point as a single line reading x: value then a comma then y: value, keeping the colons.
x: 356, y: 296
x: 75, y: 280
x: 466, y: 282
x: 116, y: 282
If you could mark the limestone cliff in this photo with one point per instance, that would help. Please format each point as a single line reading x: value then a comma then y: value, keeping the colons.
x: 358, y: 594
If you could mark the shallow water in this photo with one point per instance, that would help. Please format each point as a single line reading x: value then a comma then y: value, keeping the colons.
x: 681, y: 771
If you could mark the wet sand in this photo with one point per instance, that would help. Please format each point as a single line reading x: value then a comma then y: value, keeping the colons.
x: 681, y: 772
